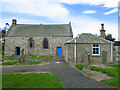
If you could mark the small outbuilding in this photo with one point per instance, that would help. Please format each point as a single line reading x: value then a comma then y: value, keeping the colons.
x: 97, y: 50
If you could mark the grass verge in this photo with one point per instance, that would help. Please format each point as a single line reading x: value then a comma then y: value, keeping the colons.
x: 33, y: 63
x: 41, y: 58
x: 31, y: 80
x: 47, y: 58
x: 32, y: 57
x: 10, y: 62
x: 6, y: 58
x: 110, y: 72
x: 113, y: 72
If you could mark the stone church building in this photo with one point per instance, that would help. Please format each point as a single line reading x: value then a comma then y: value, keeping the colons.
x: 57, y: 40
x: 38, y: 40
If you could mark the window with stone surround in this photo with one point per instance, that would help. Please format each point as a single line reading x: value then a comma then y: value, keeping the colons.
x: 31, y: 42
x: 96, y: 49
x: 45, y: 43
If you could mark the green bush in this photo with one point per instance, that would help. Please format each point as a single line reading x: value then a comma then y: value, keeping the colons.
x: 79, y: 66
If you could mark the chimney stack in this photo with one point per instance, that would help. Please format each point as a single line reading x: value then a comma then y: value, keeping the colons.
x: 102, y: 31
x: 14, y: 21
x: 69, y: 22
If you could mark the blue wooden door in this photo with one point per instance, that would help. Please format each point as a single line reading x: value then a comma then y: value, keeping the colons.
x: 59, y: 51
x: 15, y: 51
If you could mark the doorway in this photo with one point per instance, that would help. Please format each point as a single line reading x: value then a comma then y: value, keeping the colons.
x: 59, y: 51
x: 17, y: 51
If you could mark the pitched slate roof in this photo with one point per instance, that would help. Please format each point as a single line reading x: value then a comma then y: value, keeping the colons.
x: 20, y: 30
x: 88, y: 38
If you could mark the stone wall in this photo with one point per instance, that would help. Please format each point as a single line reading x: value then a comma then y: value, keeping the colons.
x: 117, y: 53
x: 69, y: 53
x: 94, y: 59
x: 53, y: 42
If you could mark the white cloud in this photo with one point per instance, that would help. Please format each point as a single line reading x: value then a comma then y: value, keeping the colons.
x: 83, y: 24
x: 46, y: 8
x: 105, y: 3
x: 89, y: 12
x: 112, y: 11
x: 53, y: 9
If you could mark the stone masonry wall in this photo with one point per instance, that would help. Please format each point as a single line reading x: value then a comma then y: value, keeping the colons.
x: 69, y: 53
x: 95, y: 59
x: 53, y: 42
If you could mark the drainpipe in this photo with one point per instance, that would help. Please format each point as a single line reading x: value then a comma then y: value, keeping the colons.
x: 66, y: 53
x: 75, y: 52
x: 111, y: 52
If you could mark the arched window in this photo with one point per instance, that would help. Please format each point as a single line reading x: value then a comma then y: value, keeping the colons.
x: 45, y: 43
x: 31, y: 42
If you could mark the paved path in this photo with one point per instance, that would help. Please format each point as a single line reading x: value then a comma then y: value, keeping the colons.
x: 70, y: 76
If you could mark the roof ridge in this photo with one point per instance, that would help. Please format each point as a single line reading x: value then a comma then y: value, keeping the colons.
x: 43, y: 24
x: 103, y: 39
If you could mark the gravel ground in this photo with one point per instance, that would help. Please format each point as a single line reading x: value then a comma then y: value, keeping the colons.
x: 71, y: 77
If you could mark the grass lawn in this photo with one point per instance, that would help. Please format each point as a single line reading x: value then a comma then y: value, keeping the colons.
x: 32, y: 63
x: 31, y: 80
x: 109, y: 71
x: 15, y: 61
x: 32, y: 57
x: 47, y: 58
x: 10, y: 62
x: 41, y: 58
x: 6, y: 58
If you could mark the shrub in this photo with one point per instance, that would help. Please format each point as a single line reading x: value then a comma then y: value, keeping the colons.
x: 79, y: 66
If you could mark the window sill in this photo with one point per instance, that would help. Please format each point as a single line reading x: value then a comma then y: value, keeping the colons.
x: 96, y: 55
x: 45, y: 49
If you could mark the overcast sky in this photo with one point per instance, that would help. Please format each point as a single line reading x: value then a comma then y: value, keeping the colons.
x: 86, y: 16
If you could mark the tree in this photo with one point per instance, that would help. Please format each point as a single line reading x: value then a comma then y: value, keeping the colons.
x: 109, y: 37
x: 3, y: 41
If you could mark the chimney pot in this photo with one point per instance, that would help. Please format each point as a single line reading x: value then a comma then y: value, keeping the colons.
x: 14, y: 21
